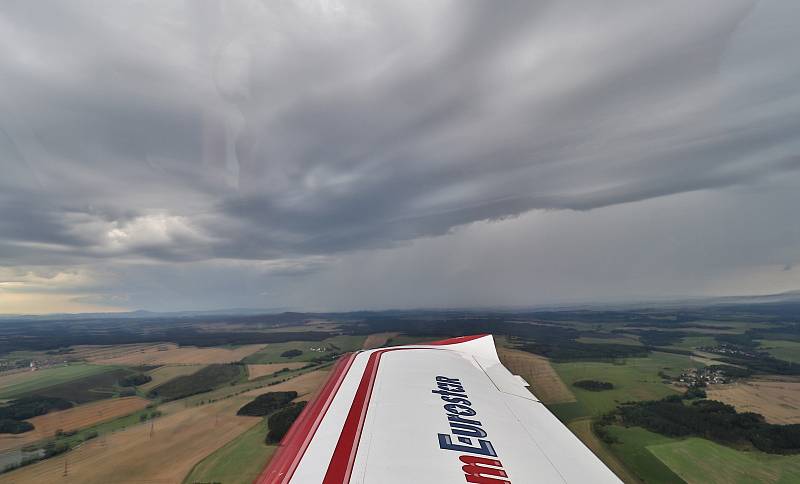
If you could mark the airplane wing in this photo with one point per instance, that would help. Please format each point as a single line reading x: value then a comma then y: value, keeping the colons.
x: 442, y: 412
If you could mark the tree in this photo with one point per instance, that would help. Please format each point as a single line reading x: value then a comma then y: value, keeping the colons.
x: 280, y: 422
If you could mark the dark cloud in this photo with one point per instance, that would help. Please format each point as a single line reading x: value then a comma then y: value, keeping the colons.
x: 197, y: 132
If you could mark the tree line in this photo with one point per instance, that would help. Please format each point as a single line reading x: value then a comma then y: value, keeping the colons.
x: 281, y: 421
x: 13, y: 415
x: 710, y: 419
x: 594, y: 385
x: 267, y: 403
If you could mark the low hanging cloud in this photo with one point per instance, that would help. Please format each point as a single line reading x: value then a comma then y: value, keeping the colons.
x: 278, y: 131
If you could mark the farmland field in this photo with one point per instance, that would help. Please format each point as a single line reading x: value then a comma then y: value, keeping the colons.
x: 31, y: 381
x: 582, y: 428
x: 163, y: 374
x: 205, y: 380
x: 181, y: 439
x: 238, y: 462
x: 241, y: 460
x: 177, y: 443
x: 539, y: 373
x: 196, y: 437
x: 781, y: 349
x: 74, y: 418
x: 249, y: 387
x: 100, y: 352
x: 172, y: 354
x: 305, y: 385
x: 692, y: 342
x: 778, y: 401
x: 311, y: 349
x: 632, y: 448
x: 377, y: 340
x: 617, y: 340
x: 634, y: 379
x: 86, y: 389
x: 699, y: 461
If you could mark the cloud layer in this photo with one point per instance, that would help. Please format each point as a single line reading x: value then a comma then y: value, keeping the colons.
x: 266, y: 140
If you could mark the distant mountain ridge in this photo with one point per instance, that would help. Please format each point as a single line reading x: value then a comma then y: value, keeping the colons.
x: 788, y: 297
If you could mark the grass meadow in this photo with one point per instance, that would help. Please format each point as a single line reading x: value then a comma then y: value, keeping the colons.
x: 782, y: 349
x: 632, y: 449
x: 48, y: 377
x: 634, y: 379
x: 698, y: 460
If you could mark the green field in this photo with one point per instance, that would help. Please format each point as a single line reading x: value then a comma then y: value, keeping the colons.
x: 654, y: 458
x: 86, y: 389
x: 634, y: 379
x: 702, y: 461
x: 204, y: 380
x: 568, y: 412
x: 692, y: 342
x: 49, y: 377
x: 238, y: 462
x: 782, y: 349
x: 632, y: 449
x: 310, y: 349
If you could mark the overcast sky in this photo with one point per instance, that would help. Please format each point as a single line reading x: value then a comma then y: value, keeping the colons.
x: 172, y: 155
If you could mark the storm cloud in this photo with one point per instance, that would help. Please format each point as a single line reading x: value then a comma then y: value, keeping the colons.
x: 271, y: 149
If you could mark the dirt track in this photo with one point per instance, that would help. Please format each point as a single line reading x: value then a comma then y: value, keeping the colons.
x: 255, y: 371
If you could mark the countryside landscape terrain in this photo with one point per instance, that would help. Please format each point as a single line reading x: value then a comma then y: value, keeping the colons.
x: 689, y: 393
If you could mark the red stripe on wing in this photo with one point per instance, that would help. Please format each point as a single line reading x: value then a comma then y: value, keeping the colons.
x: 294, y: 444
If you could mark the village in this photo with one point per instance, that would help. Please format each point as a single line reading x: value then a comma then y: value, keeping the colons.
x: 701, y: 377
x: 731, y: 351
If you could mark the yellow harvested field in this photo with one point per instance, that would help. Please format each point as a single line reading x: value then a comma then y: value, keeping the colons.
x: 778, y: 401
x: 305, y: 385
x: 377, y: 340
x: 538, y: 372
x: 178, y: 442
x: 73, y: 419
x: 255, y: 371
x: 99, y: 352
x: 166, y: 373
x: 172, y: 354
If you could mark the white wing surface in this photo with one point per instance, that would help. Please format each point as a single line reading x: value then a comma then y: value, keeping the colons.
x: 443, y: 412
